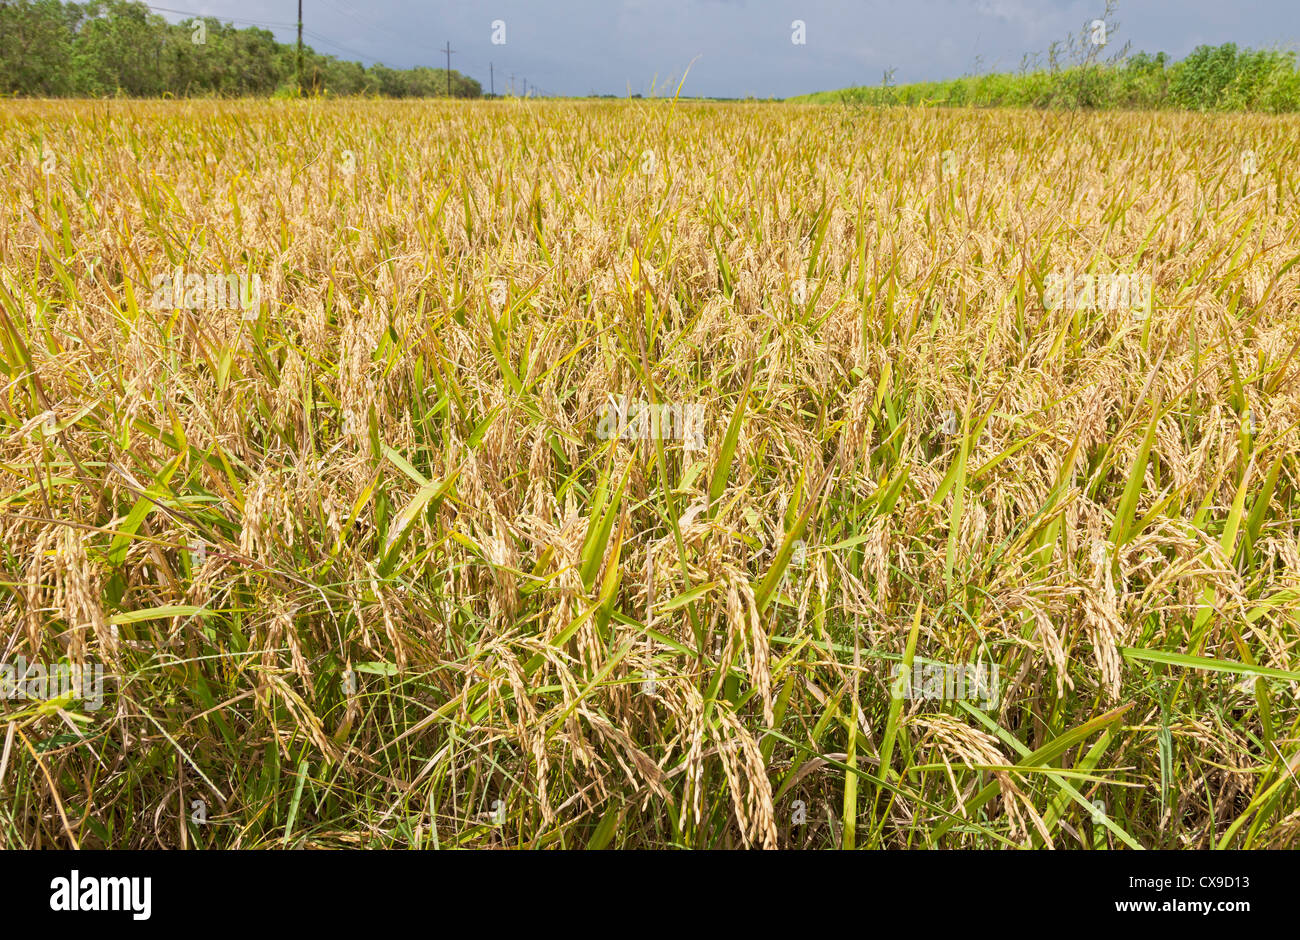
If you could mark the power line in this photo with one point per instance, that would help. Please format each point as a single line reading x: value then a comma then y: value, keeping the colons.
x: 350, y: 51
x: 311, y: 34
x: 229, y: 19
x: 238, y: 19
x: 373, y: 27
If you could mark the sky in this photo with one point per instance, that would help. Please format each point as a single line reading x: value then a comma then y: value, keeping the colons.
x: 738, y: 48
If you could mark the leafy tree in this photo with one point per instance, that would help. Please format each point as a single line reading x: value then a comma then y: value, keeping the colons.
x: 36, y: 38
x: 119, y: 47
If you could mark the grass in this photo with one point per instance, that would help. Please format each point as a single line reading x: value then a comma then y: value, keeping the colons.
x: 361, y: 571
x: 1211, y: 78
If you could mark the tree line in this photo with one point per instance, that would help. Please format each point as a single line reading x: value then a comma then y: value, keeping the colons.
x: 121, y: 48
x: 1211, y: 78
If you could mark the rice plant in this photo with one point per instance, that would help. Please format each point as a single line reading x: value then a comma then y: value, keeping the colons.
x: 647, y: 474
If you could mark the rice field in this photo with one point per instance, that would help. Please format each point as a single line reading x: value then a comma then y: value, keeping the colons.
x: 647, y: 474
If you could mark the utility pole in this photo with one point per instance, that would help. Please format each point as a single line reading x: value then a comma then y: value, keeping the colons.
x: 299, y: 48
x: 492, y: 84
x: 449, y: 50
x: 512, y: 83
